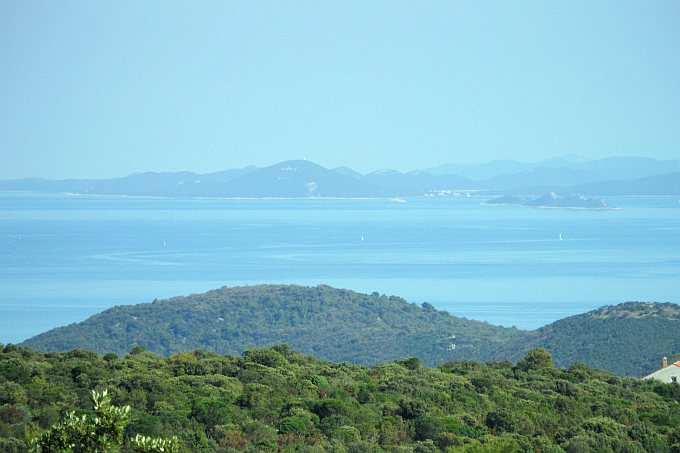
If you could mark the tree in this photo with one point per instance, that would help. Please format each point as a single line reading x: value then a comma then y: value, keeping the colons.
x: 102, y: 433
x: 536, y: 359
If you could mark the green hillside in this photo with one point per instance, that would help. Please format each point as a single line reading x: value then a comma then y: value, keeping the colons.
x: 342, y: 325
x: 626, y: 339
x: 329, y: 323
x: 277, y: 400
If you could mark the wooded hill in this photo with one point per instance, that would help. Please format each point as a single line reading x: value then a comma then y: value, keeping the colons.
x: 627, y: 339
x: 342, y: 325
x: 332, y: 324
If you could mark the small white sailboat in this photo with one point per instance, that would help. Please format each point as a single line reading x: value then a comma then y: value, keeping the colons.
x: 362, y: 238
x: 561, y: 238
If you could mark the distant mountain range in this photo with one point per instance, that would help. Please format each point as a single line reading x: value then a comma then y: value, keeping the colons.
x: 342, y: 325
x: 610, y: 168
x: 567, y: 175
x: 290, y: 179
x: 494, y: 168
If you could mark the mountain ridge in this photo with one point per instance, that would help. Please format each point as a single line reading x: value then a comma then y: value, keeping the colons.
x: 305, y: 179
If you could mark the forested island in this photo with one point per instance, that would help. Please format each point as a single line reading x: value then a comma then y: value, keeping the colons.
x: 278, y: 400
x: 330, y: 323
x: 343, y: 325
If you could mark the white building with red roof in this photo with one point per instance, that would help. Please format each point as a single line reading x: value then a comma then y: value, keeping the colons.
x: 667, y: 373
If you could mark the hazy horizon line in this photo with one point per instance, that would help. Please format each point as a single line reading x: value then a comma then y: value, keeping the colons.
x: 573, y: 157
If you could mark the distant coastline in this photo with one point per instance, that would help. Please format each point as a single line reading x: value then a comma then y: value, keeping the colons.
x: 571, y: 208
x: 306, y: 179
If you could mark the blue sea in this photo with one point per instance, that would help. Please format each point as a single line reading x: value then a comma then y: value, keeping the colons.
x: 64, y: 258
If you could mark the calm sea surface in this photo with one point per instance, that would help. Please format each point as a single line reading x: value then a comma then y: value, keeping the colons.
x: 64, y: 258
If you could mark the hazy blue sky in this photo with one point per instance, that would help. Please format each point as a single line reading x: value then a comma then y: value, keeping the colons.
x: 109, y: 88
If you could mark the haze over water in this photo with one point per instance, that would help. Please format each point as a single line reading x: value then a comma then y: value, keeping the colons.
x: 65, y: 258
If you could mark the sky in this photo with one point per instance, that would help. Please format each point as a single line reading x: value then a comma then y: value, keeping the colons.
x: 104, y: 89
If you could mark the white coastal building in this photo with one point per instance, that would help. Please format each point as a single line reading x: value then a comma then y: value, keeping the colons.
x: 667, y: 373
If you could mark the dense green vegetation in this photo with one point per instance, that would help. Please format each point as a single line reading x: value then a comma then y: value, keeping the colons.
x: 276, y: 399
x: 329, y: 323
x: 342, y: 325
x: 626, y: 339
x: 102, y: 432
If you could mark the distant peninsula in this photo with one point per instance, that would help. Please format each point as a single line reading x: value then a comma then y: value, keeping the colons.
x: 552, y: 200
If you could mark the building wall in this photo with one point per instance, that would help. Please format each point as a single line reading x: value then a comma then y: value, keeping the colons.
x: 666, y: 375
